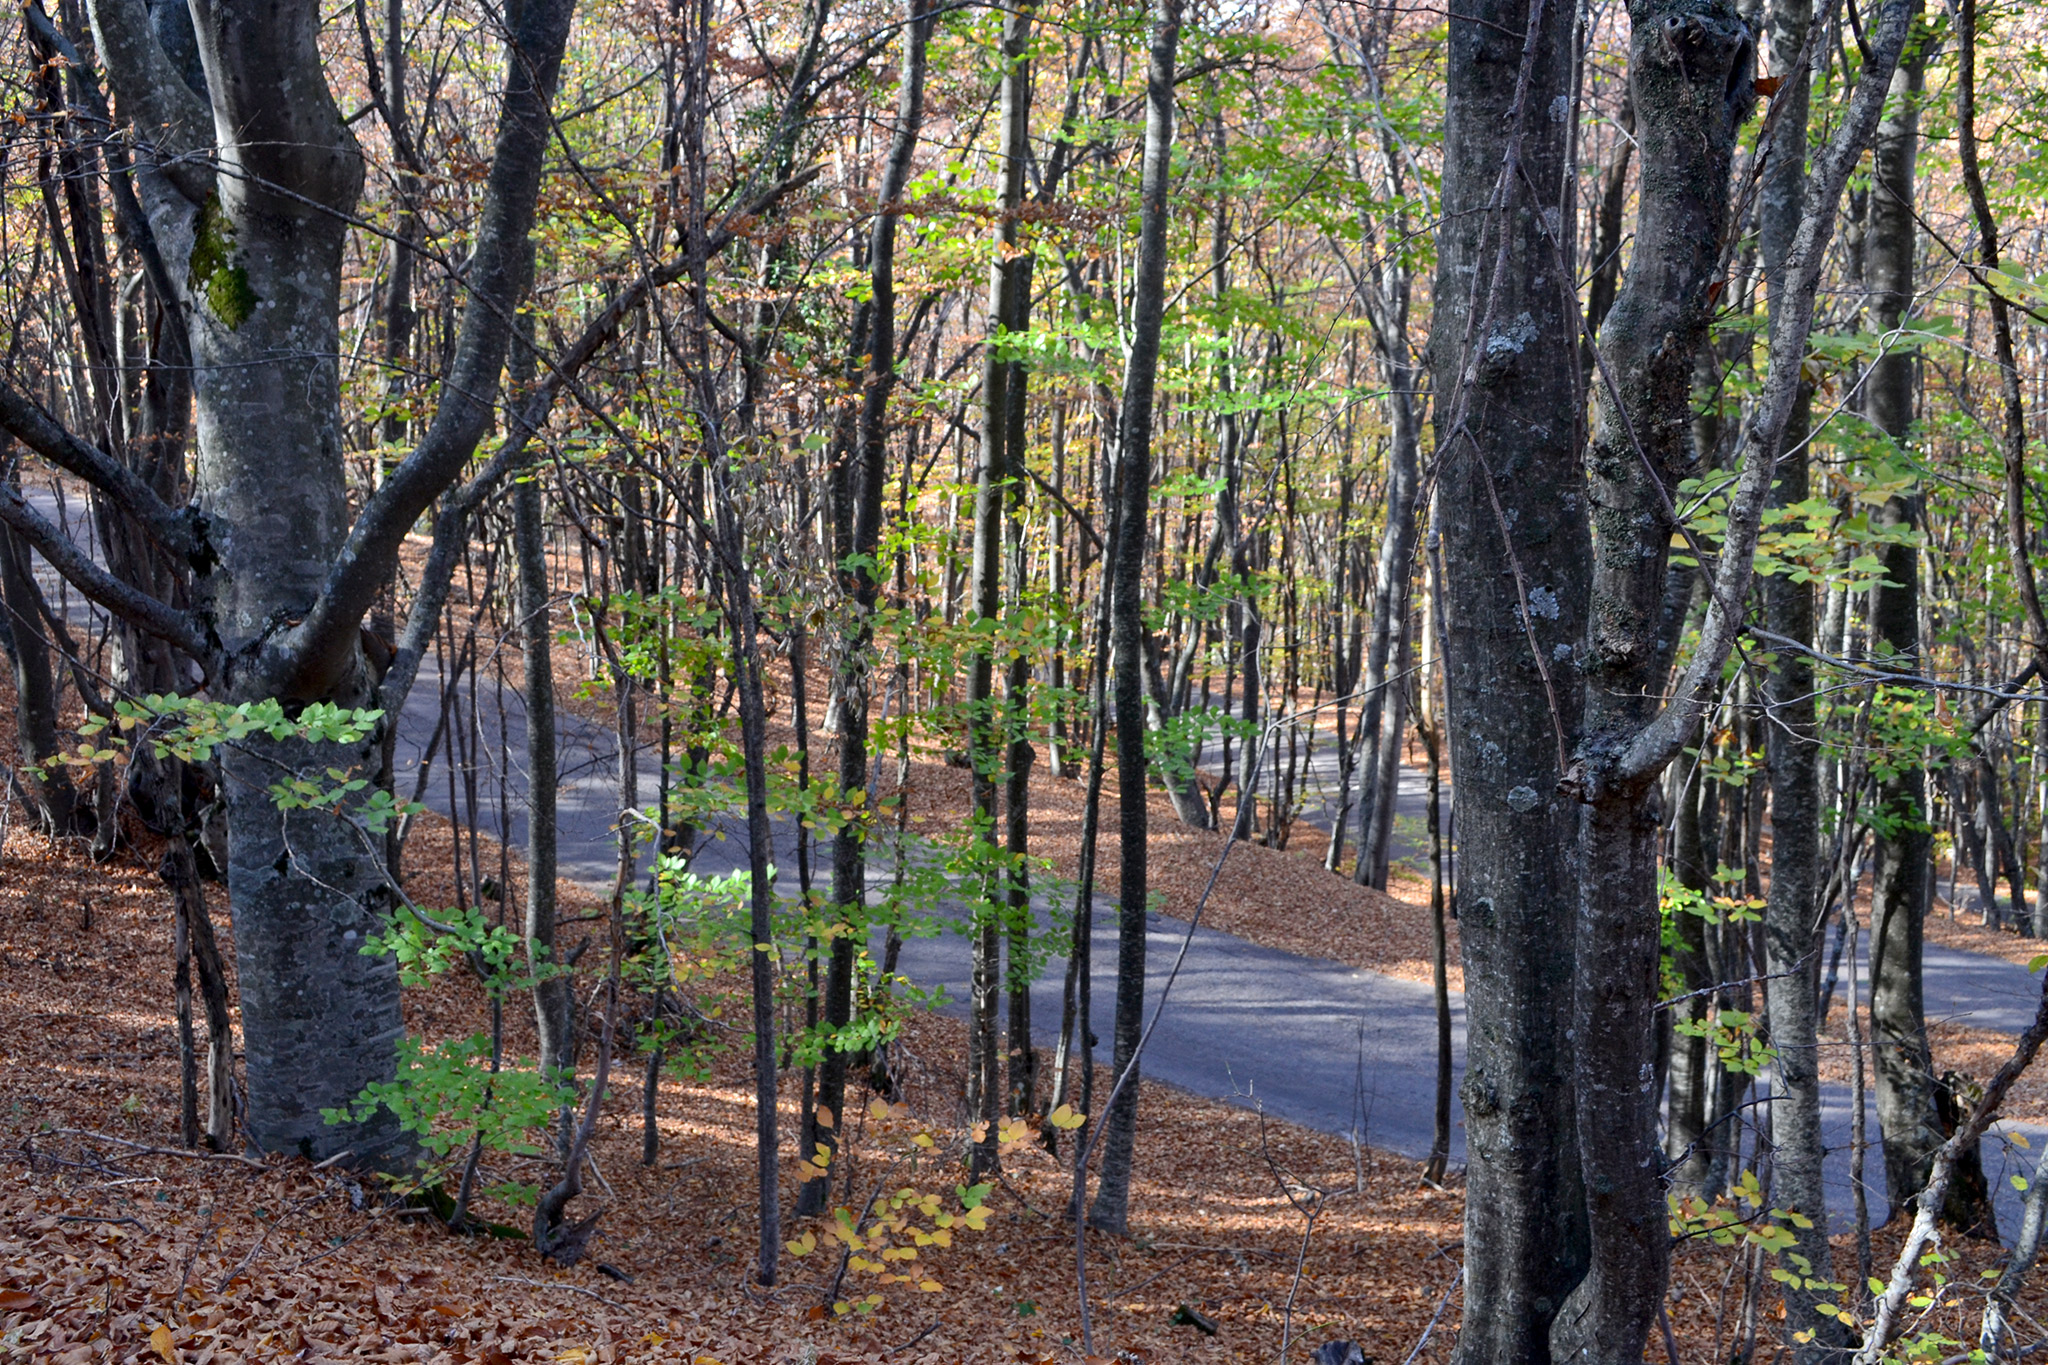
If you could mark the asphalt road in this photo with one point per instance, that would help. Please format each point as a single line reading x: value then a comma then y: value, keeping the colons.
x: 1320, y: 1043
x: 1332, y: 1047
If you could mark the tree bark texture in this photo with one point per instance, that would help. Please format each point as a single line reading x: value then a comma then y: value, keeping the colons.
x: 1900, y: 863
x: 1510, y: 508
x: 1792, y: 753
x: 1690, y: 64
x: 1133, y: 476
x: 254, y: 257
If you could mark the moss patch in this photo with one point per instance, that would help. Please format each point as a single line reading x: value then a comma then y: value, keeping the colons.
x: 213, y: 273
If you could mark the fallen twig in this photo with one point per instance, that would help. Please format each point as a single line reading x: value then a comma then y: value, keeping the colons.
x: 914, y: 1340
x: 1441, y: 1304
x: 163, y: 1151
x: 555, y: 1284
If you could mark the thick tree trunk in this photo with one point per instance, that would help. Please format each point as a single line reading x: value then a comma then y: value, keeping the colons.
x: 320, y: 1020
x: 1690, y: 67
x: 1110, y: 1210
x: 1509, y: 503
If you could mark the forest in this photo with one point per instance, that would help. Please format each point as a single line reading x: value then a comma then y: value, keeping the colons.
x: 1010, y: 680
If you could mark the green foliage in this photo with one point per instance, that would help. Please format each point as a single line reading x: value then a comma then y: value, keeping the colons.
x: 450, y: 1096
x: 460, y: 1093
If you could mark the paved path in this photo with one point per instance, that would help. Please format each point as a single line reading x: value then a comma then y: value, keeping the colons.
x: 1339, y: 1049
x: 1333, y: 1047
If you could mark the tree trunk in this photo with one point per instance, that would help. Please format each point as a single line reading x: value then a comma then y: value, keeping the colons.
x: 1690, y: 67
x: 1899, y: 865
x: 1386, y: 763
x: 1110, y: 1212
x: 1792, y: 750
x: 180, y: 873
x: 1021, y: 1062
x: 1378, y: 740
x: 1504, y: 346
x: 48, y: 790
x: 862, y: 513
x: 553, y: 1002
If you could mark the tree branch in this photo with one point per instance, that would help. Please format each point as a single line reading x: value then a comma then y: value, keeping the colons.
x: 1659, y: 741
x: 168, y: 117
x: 140, y: 610
x: 35, y: 428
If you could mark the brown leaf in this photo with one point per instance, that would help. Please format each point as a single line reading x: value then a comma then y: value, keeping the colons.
x: 1767, y: 86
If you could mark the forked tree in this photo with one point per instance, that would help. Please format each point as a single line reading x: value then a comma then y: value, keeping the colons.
x: 240, y: 188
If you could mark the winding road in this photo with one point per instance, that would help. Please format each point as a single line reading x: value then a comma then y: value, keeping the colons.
x: 1329, y: 1046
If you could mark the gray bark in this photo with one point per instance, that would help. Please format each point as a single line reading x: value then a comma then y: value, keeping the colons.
x: 1510, y: 507
x: 1110, y: 1210
x: 1905, y: 1081
x: 1690, y: 64
x: 1792, y: 753
x: 254, y: 262
x: 1378, y: 737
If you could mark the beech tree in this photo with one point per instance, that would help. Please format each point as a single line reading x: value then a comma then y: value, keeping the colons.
x: 1560, y: 718
x: 246, y: 182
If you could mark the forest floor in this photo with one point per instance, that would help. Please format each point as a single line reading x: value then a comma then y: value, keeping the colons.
x: 110, y: 1232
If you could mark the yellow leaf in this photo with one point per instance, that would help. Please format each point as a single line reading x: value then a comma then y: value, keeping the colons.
x: 1065, y: 1117
x: 878, y: 1109
x: 166, y: 1346
x: 930, y: 1286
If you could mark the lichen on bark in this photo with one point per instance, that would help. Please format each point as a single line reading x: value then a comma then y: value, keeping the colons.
x: 213, y: 273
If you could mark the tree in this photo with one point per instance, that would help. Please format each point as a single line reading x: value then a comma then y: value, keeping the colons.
x: 1509, y: 506
x: 861, y: 515
x: 1569, y: 1200
x: 248, y: 181
x: 1133, y: 492
x: 1791, y: 938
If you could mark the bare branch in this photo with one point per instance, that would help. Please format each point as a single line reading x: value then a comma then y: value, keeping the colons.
x: 144, y: 612
x: 46, y: 436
